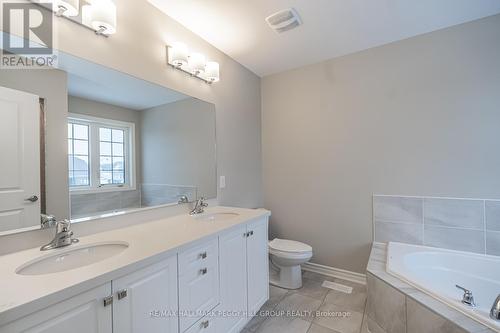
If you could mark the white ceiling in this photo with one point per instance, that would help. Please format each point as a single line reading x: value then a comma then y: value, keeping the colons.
x: 331, y: 28
x: 102, y: 84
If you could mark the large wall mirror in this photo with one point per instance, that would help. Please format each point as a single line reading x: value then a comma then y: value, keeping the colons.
x: 85, y: 141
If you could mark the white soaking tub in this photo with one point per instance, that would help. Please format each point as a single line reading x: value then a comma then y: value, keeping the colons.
x: 436, y: 271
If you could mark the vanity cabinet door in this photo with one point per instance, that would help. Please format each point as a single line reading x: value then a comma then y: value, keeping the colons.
x: 84, y: 313
x: 233, y: 280
x: 257, y: 265
x: 146, y: 300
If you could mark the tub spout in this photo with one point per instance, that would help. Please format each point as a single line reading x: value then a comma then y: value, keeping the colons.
x: 495, y: 309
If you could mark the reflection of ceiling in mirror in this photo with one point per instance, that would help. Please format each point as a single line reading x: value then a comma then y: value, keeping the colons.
x: 99, y: 83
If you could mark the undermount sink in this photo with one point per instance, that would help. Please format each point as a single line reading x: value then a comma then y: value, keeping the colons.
x: 215, y: 217
x: 71, y: 258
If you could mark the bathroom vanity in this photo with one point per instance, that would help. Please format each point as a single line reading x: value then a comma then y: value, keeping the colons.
x: 204, y: 273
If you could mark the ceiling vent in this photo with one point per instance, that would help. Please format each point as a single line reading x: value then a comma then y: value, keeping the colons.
x: 284, y: 20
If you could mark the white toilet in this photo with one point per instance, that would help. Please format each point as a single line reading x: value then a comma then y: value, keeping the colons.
x: 287, y: 256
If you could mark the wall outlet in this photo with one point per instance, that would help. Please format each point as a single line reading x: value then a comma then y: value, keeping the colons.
x: 222, y: 182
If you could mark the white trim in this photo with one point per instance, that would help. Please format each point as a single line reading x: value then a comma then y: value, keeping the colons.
x: 335, y: 272
x: 130, y: 157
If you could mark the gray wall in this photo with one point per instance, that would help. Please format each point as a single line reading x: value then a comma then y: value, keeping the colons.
x: 416, y: 117
x: 52, y: 86
x: 178, y: 145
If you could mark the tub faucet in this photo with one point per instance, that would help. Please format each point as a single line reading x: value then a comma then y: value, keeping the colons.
x: 63, y: 237
x: 199, y: 206
x: 495, y: 309
x: 468, y: 298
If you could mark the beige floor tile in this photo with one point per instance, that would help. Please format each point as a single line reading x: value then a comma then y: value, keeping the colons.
x: 303, y: 306
x: 284, y: 324
x: 355, y: 300
x: 312, y: 288
x: 320, y: 329
x: 339, y: 318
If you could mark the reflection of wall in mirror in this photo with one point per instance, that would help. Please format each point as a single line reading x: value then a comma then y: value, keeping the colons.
x: 178, y: 146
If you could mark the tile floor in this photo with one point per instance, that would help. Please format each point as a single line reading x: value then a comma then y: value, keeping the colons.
x: 312, y: 309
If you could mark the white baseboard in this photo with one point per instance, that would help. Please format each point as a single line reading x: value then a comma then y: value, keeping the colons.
x: 334, y: 272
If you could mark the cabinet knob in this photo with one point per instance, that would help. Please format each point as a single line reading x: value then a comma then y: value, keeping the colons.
x: 251, y: 233
x: 121, y: 294
x: 108, y: 300
x: 203, y: 255
x: 205, y: 324
x: 203, y: 271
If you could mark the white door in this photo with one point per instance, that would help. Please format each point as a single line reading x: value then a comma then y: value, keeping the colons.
x: 257, y: 265
x: 84, y: 313
x: 233, y: 280
x: 19, y: 159
x: 146, y: 300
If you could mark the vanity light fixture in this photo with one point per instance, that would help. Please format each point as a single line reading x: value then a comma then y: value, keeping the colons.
x: 97, y: 15
x: 195, y: 64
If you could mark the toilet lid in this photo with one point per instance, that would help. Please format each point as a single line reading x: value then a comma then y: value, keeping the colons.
x: 289, y: 246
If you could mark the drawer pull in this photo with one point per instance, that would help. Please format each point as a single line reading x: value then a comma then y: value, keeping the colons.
x: 205, y: 324
x: 108, y: 300
x: 203, y: 255
x: 122, y: 294
x: 203, y: 271
x: 251, y: 233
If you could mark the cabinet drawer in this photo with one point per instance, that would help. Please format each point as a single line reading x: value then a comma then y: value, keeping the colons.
x: 198, y: 283
x: 204, y: 325
x: 198, y: 256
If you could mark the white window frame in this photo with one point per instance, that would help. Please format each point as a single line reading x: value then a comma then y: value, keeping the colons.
x: 94, y: 154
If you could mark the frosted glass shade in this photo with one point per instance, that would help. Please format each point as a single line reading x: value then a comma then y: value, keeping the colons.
x: 197, y: 63
x: 179, y: 54
x: 104, y: 16
x: 67, y: 7
x: 212, y: 71
x: 87, y: 15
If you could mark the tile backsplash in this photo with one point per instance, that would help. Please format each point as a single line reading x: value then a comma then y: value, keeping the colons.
x: 460, y: 224
x: 89, y: 204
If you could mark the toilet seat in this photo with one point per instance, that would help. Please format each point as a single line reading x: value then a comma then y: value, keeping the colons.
x: 289, y: 248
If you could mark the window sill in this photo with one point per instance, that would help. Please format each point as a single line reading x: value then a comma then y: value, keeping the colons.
x: 101, y: 190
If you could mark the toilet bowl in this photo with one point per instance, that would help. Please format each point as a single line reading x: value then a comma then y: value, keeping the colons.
x: 287, y: 256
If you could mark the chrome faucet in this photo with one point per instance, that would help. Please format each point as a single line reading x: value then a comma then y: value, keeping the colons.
x: 63, y: 237
x: 47, y: 221
x: 183, y: 199
x: 199, y: 206
x: 468, y: 298
x: 495, y: 309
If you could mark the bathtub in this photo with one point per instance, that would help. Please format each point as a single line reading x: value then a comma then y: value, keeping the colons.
x: 436, y: 272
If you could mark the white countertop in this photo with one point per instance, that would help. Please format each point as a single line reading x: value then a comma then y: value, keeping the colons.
x: 148, y: 243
